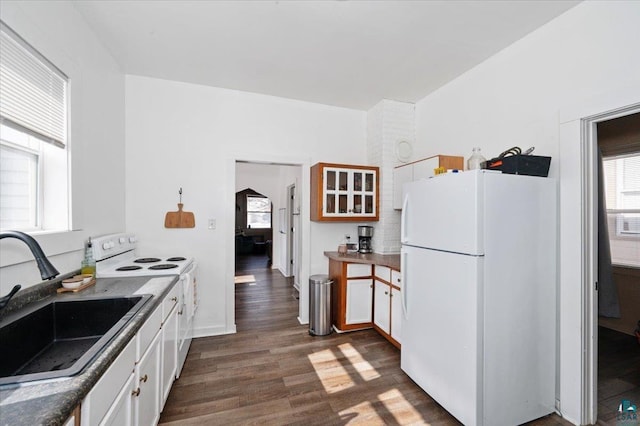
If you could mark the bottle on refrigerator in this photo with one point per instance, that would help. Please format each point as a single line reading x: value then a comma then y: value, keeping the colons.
x: 475, y: 161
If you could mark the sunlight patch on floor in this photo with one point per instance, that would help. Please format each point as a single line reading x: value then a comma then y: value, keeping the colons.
x: 366, y: 370
x: 401, y: 409
x: 331, y: 373
x: 245, y: 279
x: 363, y: 413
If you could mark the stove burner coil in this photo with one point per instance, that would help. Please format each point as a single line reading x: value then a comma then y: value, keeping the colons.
x: 129, y: 268
x: 147, y: 260
x: 176, y: 259
x: 164, y: 266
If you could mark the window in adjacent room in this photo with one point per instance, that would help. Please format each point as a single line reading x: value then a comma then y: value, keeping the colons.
x: 34, y: 160
x: 622, y: 183
x: 258, y: 212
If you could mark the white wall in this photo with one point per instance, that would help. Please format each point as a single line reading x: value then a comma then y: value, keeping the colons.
x: 96, y: 137
x: 189, y: 136
x: 516, y: 98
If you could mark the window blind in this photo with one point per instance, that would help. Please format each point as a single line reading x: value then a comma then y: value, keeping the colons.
x: 33, y: 92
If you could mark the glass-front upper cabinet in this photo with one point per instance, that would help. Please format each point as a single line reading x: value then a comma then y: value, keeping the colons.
x: 342, y: 192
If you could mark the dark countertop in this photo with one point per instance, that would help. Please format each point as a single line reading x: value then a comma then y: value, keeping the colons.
x: 51, y: 402
x: 390, y: 260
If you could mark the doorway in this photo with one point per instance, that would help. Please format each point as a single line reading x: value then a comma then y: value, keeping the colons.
x: 577, y: 383
x: 618, y: 328
x: 267, y: 224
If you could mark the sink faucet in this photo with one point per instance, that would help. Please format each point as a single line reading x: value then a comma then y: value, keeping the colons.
x: 47, y: 270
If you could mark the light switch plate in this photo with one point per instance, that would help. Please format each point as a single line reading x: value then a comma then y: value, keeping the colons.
x: 212, y: 224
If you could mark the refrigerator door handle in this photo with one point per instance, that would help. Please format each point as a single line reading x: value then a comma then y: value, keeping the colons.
x: 403, y: 220
x: 405, y: 284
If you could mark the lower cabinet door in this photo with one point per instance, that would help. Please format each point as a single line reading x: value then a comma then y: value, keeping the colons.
x: 169, y: 353
x: 396, y: 315
x: 381, y: 306
x: 148, y: 380
x: 359, y: 301
x: 121, y: 412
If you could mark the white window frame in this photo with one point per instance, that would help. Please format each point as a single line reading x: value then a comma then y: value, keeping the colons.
x: 53, y: 206
x: 256, y: 211
x: 620, y: 189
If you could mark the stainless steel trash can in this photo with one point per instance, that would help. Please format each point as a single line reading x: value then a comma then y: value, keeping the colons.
x: 320, y: 305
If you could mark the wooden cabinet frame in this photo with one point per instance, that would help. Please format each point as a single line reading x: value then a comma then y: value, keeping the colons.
x: 318, y: 194
x: 338, y: 273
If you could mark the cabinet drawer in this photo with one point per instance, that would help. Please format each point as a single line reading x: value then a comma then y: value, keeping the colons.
x: 396, y: 278
x: 170, y: 301
x: 104, y: 393
x: 148, y: 331
x: 383, y: 273
x: 358, y: 270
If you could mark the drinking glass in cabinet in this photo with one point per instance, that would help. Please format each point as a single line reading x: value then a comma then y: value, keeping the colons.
x: 357, y: 181
x: 342, y: 183
x: 368, y: 183
x: 331, y: 203
x: 357, y: 203
x: 342, y: 203
x: 331, y: 180
x: 368, y: 204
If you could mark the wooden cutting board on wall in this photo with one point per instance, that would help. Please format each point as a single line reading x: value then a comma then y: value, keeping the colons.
x: 179, y: 219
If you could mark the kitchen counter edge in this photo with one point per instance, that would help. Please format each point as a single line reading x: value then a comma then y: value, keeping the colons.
x: 52, y: 402
x: 389, y: 260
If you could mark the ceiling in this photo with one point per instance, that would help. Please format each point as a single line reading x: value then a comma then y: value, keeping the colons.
x: 343, y: 53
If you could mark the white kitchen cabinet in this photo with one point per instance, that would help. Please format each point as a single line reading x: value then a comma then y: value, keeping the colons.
x: 134, y: 388
x: 148, y: 378
x: 169, y: 352
x: 387, y: 304
x: 382, y: 306
x: 359, y: 299
x: 421, y: 169
x: 102, y: 396
x: 121, y: 411
x: 343, y: 193
x: 396, y: 315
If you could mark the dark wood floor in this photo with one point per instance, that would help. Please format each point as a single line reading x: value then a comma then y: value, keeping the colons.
x: 618, y: 373
x: 273, y: 372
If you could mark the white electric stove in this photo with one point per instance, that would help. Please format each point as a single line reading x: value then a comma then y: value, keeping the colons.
x: 116, y: 257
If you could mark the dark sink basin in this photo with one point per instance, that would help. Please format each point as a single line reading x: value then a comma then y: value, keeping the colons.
x: 60, y: 338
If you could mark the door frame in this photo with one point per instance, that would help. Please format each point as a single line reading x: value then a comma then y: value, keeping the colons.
x: 304, y: 234
x: 293, y: 235
x: 578, y: 316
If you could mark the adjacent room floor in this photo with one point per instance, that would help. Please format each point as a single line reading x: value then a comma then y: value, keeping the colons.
x: 618, y: 374
x: 273, y: 372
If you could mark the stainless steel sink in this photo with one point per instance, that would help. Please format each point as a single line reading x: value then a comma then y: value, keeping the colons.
x: 60, y: 338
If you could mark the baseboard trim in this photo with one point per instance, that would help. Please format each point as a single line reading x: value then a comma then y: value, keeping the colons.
x: 213, y: 331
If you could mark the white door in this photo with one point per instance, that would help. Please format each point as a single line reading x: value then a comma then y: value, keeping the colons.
x: 292, y: 266
x: 359, y: 301
x: 440, y: 327
x: 444, y: 213
x: 381, y: 305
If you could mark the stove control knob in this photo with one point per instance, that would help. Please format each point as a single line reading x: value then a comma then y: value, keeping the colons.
x: 106, y: 246
x: 122, y: 240
x: 132, y: 239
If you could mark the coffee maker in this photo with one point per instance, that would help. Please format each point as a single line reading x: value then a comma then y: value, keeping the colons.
x: 364, y: 239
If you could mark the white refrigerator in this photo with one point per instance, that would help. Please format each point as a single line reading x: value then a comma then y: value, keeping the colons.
x: 479, y: 294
